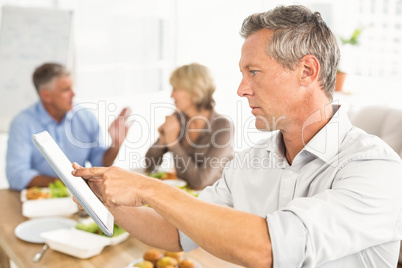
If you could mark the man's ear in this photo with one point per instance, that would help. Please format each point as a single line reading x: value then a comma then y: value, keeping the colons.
x: 310, y: 69
x: 45, y: 95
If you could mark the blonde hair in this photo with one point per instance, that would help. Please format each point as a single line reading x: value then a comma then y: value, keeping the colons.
x: 197, y: 80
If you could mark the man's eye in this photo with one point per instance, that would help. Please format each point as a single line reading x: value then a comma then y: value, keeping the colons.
x: 253, y: 72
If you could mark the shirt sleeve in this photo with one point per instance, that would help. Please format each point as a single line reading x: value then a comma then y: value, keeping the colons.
x: 97, y: 137
x: 219, y: 194
x: 18, y: 157
x: 154, y: 156
x: 340, y: 221
x: 200, y: 174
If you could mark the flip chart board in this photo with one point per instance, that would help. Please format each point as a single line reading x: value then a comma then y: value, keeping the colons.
x: 28, y: 38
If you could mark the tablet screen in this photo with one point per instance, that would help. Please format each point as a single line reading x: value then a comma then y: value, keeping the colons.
x: 78, y: 187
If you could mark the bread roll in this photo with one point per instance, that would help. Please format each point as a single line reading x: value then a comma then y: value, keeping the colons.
x: 166, y: 262
x: 144, y: 264
x: 152, y: 256
x: 187, y: 264
x: 176, y: 255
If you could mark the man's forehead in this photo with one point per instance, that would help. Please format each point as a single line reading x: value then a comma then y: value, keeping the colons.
x: 262, y: 35
x: 64, y: 77
x: 63, y: 80
x: 254, y: 47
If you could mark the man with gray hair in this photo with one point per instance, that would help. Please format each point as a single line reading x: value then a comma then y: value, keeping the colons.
x: 74, y: 128
x: 323, y: 193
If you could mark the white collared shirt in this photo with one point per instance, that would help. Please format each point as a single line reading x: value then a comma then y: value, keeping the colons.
x: 338, y: 205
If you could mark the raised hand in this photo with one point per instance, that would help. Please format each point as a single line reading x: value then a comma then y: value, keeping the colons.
x: 171, y: 130
x: 119, y: 127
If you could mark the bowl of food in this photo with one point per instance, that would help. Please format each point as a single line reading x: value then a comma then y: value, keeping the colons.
x: 163, y: 175
x: 155, y: 258
x: 54, y: 200
x: 84, y: 240
x: 55, y: 190
x: 75, y: 243
x: 171, y: 179
x: 90, y: 227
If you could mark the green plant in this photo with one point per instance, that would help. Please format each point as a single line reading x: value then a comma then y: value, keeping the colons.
x: 354, y: 39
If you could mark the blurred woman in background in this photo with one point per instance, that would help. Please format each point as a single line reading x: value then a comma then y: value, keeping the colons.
x: 200, y: 140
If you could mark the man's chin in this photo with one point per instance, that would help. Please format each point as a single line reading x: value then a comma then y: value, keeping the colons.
x: 263, y: 125
x: 264, y: 129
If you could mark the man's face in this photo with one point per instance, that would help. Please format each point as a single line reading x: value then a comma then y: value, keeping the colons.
x: 60, y: 98
x: 272, y: 91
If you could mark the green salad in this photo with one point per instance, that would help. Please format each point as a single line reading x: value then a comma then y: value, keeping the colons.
x: 157, y: 175
x: 58, y: 189
x: 190, y: 191
x: 94, y: 228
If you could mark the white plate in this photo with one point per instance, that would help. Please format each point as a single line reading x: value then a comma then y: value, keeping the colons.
x: 131, y: 265
x: 30, y: 230
x: 176, y: 183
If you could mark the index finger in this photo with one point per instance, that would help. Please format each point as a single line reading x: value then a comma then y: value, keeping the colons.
x: 125, y: 112
x: 88, y: 173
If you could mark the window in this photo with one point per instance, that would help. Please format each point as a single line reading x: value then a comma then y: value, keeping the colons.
x: 379, y: 52
x: 120, y: 47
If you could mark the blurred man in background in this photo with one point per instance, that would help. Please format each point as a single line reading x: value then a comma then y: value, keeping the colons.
x: 74, y: 128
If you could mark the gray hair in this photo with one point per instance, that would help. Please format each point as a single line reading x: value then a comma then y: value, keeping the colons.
x: 45, y: 74
x: 298, y: 32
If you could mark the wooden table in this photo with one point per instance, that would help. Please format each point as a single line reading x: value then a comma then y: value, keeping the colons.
x: 118, y: 256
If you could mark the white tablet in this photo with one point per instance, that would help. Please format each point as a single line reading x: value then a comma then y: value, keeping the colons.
x: 78, y: 187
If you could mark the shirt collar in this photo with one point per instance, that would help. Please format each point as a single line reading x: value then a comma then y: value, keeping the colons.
x: 45, y: 117
x: 276, y: 145
x: 326, y: 143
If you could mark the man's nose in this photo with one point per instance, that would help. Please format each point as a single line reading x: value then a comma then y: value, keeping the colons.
x: 244, y: 88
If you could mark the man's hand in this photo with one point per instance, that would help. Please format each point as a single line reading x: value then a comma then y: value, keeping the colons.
x: 93, y: 184
x: 118, y: 128
x: 114, y: 186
